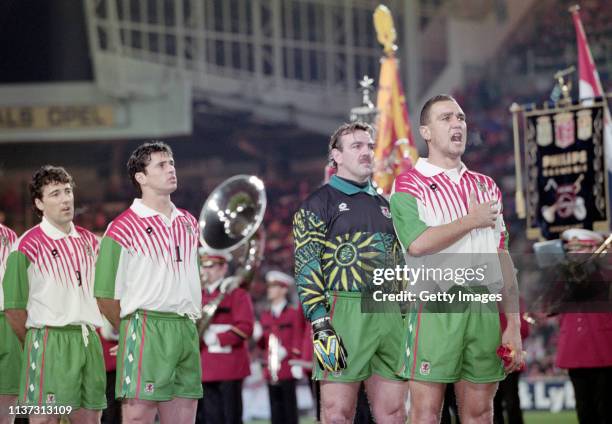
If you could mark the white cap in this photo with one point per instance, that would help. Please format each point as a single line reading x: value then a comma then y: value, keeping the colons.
x: 580, y: 234
x: 209, y: 256
x: 279, y: 277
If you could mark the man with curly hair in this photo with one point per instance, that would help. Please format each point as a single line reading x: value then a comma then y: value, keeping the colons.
x: 49, y: 302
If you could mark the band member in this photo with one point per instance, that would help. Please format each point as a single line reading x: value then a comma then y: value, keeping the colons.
x: 440, y: 206
x: 148, y: 286
x: 48, y: 290
x: 343, y: 232
x: 584, y: 347
x: 10, y: 348
x: 282, y: 336
x: 224, y: 351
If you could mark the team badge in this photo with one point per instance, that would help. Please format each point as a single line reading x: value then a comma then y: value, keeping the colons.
x: 385, y: 211
x: 481, y: 186
x: 425, y: 368
x: 54, y: 253
x: 189, y: 228
x: 433, y: 186
x: 4, y: 241
x: 149, y: 388
x: 50, y: 398
x: 88, y: 250
x: 343, y: 207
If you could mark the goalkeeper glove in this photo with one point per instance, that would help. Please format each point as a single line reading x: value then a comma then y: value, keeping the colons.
x: 328, y: 347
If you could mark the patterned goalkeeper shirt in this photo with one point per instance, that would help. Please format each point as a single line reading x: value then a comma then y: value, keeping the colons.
x: 342, y: 233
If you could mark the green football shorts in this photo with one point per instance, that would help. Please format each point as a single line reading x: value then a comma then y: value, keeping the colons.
x: 58, y: 369
x: 158, y: 357
x: 445, y: 347
x: 10, y: 358
x: 374, y: 341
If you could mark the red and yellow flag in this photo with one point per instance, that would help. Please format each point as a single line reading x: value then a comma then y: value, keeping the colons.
x: 395, y: 150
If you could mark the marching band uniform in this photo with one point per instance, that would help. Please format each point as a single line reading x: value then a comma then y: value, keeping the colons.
x: 224, y: 351
x: 584, y: 346
x: 287, y: 324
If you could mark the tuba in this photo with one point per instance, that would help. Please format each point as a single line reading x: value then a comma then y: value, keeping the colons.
x: 230, y: 222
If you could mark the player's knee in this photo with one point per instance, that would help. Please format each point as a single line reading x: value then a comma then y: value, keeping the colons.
x: 392, y: 416
x: 479, y: 413
x: 424, y: 414
x: 337, y: 413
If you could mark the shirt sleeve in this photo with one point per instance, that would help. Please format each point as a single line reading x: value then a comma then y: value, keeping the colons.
x: 406, y: 219
x: 309, y: 237
x: 15, y: 283
x: 107, y: 269
x: 500, y: 225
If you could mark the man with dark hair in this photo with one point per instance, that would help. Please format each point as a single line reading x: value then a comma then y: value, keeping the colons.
x: 48, y: 290
x: 148, y: 286
x: 10, y: 348
x: 441, y: 208
x: 343, y: 232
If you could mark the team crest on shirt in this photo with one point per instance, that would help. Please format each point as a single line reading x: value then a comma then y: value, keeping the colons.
x: 54, y: 253
x: 385, y: 211
x: 149, y: 388
x: 4, y: 241
x: 425, y: 368
x: 481, y: 186
x: 189, y: 228
x: 50, y: 398
x: 88, y: 250
x: 343, y: 207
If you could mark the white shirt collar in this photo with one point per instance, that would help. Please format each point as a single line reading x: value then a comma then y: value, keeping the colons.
x: 213, y: 286
x: 278, y: 308
x: 429, y: 170
x: 144, y: 211
x: 55, y: 233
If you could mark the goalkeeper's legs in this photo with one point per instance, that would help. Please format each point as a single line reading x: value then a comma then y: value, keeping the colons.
x: 338, y: 401
x: 387, y: 399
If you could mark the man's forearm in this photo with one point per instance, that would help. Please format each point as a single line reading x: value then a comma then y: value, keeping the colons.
x: 435, y: 239
x: 17, y: 319
x: 111, y: 309
x: 510, y: 292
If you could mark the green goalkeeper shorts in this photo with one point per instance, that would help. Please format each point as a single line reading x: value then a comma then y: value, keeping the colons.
x: 374, y: 341
x: 10, y: 358
x: 158, y: 357
x: 59, y: 369
x: 445, y: 347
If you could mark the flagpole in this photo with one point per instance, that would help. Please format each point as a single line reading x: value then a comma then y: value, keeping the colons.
x: 519, y: 197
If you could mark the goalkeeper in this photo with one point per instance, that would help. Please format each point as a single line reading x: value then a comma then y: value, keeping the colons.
x: 343, y: 231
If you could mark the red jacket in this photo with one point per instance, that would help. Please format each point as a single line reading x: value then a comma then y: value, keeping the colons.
x: 585, y: 340
x: 289, y: 328
x: 235, y: 312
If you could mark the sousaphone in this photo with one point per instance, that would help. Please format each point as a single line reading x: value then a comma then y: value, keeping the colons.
x: 230, y: 223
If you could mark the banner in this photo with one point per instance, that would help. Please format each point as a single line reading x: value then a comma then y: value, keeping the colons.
x: 566, y: 173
